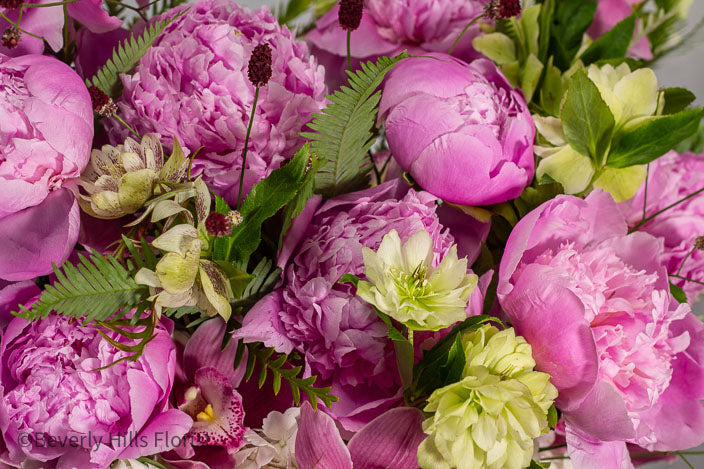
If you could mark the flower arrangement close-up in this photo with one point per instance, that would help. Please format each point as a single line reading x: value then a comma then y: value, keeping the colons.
x: 348, y: 234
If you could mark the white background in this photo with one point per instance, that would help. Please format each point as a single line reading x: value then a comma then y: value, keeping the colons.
x: 684, y: 68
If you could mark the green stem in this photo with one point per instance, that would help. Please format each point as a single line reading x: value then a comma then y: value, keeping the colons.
x: 645, y: 193
x: 17, y: 25
x: 469, y: 25
x: 377, y: 174
x: 127, y: 126
x: 684, y: 199
x: 45, y: 5
x: 349, y: 50
x: 130, y: 7
x: 691, y: 251
x: 246, y: 144
x: 687, y: 279
x: 550, y: 448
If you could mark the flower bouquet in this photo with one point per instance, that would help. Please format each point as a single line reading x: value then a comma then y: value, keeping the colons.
x: 381, y: 234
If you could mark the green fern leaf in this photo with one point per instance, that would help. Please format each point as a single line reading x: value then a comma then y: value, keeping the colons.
x: 126, y: 55
x: 95, y: 289
x: 343, y: 130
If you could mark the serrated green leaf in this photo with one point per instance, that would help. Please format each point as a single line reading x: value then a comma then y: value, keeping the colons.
x: 343, y: 130
x: 547, y: 10
x: 265, y: 199
x: 677, y: 99
x: 93, y: 289
x: 612, y: 44
x: 587, y: 121
x: 126, y: 55
x: 653, y: 138
x: 395, y: 335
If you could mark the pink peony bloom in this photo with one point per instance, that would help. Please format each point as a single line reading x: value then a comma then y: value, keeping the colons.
x: 390, y: 440
x: 672, y: 178
x: 462, y: 131
x: 594, y: 304
x: 611, y: 12
x: 390, y: 26
x: 193, y: 84
x: 49, y: 390
x: 45, y: 142
x: 48, y: 22
x: 340, y: 335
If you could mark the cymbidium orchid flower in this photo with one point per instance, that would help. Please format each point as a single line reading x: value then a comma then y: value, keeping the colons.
x: 405, y: 285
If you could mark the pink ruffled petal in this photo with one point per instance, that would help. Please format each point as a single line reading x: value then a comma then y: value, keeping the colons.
x: 90, y: 13
x: 204, y: 349
x: 586, y: 452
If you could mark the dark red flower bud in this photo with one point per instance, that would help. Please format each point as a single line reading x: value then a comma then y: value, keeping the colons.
x: 699, y: 243
x: 350, y: 14
x: 218, y: 224
x: 11, y: 38
x: 259, y: 70
x: 11, y: 4
x: 502, y: 9
x: 102, y: 103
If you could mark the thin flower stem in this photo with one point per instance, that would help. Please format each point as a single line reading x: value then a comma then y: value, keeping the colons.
x: 377, y: 174
x: 687, y: 279
x: 469, y: 25
x: 550, y: 448
x: 130, y: 7
x: 127, y: 126
x: 16, y: 25
x: 246, y: 144
x: 45, y: 5
x: 684, y: 199
x: 689, y: 254
x: 349, y: 50
x: 678, y: 453
x: 645, y: 193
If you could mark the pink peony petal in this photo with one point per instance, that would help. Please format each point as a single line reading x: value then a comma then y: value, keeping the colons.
x: 37, y: 236
x: 203, y: 349
x: 586, y: 452
x: 90, y: 13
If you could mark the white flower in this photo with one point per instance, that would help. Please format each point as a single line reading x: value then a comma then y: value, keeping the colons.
x: 404, y: 285
x: 274, y: 445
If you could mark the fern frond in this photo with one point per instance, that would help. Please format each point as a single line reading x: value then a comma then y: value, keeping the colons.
x: 343, y: 130
x: 95, y: 289
x: 126, y: 55
x: 280, y: 368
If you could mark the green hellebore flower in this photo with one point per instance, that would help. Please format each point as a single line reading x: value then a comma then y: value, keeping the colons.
x: 404, y: 285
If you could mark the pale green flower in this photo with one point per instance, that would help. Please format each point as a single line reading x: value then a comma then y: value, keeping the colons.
x: 489, y: 418
x: 404, y: 284
x: 182, y: 278
x: 120, y: 179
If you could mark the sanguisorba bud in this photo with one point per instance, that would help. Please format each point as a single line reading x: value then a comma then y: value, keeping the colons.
x: 259, y: 70
x: 11, y: 38
x: 102, y: 103
x: 235, y: 217
x: 509, y: 8
x: 699, y: 243
x: 218, y: 224
x: 11, y: 4
x: 350, y: 14
x: 502, y: 9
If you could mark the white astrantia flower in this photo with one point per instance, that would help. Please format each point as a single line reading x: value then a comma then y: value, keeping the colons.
x: 404, y: 284
x: 274, y: 445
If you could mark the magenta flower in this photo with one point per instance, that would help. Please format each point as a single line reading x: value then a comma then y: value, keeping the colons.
x: 462, y: 131
x: 193, y: 84
x: 12, y: 295
x: 390, y: 440
x: 45, y: 143
x: 594, y: 304
x: 339, y: 334
x: 388, y: 27
x: 49, y: 390
x: 672, y: 178
x: 48, y: 22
